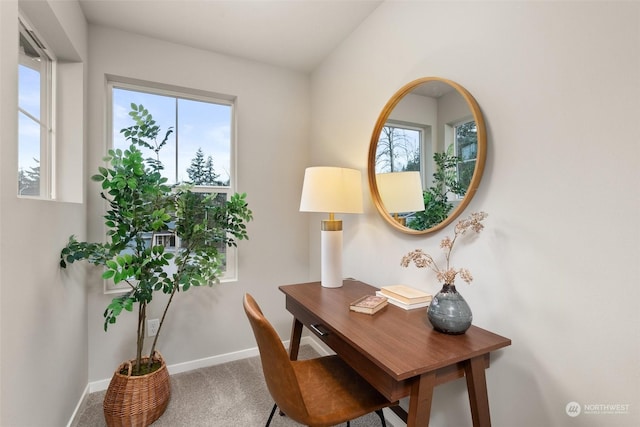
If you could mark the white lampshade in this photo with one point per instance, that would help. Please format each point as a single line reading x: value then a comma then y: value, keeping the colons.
x: 332, y: 190
x: 400, y: 191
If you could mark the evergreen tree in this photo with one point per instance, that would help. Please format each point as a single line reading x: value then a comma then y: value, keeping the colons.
x: 210, y: 175
x: 29, y: 180
x: 197, y: 169
x: 413, y: 164
x: 201, y: 172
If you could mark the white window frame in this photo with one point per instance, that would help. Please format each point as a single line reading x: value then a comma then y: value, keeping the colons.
x: 231, y: 271
x: 47, y: 112
x: 415, y: 127
x: 455, y: 127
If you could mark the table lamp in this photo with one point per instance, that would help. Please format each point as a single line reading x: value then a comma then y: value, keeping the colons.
x: 400, y: 192
x: 332, y: 190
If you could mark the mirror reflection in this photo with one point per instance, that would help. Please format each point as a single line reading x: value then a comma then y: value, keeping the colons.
x: 433, y: 128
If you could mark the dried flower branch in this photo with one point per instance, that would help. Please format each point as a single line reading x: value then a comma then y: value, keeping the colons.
x: 448, y: 274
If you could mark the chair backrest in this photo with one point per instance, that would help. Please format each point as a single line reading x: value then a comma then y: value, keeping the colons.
x: 278, y: 371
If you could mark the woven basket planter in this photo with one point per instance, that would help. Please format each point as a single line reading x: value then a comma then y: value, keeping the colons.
x: 137, y: 401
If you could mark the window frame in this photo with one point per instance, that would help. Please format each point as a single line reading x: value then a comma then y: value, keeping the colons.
x: 47, y: 119
x: 421, y: 140
x: 456, y: 147
x: 231, y: 268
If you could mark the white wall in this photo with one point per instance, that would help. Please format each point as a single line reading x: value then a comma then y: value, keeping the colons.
x: 556, y: 269
x: 273, y: 128
x: 43, y: 336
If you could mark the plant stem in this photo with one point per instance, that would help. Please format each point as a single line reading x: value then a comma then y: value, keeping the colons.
x: 176, y: 286
x: 164, y: 314
x: 142, y: 315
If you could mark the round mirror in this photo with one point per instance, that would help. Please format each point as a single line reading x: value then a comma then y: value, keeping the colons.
x: 427, y: 155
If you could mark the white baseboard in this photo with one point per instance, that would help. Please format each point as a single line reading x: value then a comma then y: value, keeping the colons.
x: 177, y: 368
x: 203, y: 363
x: 73, y: 421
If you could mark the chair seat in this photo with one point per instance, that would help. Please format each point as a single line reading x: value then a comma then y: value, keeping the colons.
x: 319, y: 392
x: 333, y: 392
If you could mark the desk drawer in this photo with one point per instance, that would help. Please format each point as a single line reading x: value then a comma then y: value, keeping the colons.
x: 375, y: 375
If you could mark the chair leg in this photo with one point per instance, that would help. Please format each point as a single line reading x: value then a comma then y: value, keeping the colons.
x: 381, y: 415
x: 273, y: 411
x: 348, y: 423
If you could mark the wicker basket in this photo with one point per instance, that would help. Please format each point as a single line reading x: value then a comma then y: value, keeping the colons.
x: 133, y: 401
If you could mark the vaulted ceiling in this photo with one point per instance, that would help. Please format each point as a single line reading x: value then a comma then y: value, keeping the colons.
x: 296, y: 34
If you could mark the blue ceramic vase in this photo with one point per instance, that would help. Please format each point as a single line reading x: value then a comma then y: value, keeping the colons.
x: 448, y: 312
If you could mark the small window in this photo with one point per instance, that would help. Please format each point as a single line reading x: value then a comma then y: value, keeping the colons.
x: 399, y: 149
x: 466, y: 143
x: 35, y: 112
x: 199, y: 151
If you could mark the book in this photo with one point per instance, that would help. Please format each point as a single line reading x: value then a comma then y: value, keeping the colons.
x: 403, y: 305
x: 369, y: 304
x: 406, y: 294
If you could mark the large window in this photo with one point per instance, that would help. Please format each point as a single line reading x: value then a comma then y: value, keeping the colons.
x: 200, y: 150
x: 35, y: 117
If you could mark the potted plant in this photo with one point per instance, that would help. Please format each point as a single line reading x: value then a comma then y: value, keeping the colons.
x: 140, y: 207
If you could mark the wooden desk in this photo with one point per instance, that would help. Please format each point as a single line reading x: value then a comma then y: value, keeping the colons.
x: 396, y: 350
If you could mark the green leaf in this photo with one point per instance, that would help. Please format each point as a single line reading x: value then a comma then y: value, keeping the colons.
x: 139, y: 200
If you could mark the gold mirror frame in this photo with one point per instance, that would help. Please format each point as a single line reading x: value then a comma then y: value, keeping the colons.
x: 480, y: 159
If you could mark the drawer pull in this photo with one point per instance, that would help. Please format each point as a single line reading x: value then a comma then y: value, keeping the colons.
x: 319, y: 330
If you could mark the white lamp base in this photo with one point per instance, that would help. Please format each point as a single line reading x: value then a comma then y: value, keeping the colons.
x: 331, y: 258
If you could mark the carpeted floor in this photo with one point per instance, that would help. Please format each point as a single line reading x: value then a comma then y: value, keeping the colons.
x: 229, y: 395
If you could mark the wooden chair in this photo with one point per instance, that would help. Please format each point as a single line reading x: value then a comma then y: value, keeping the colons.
x: 319, y: 392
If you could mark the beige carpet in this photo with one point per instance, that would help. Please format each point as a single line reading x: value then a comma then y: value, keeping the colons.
x: 229, y: 395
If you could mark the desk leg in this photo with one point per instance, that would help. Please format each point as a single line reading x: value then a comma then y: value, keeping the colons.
x: 294, y: 343
x: 420, y: 400
x: 477, y: 388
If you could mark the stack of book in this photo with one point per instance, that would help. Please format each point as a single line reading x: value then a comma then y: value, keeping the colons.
x: 405, y: 297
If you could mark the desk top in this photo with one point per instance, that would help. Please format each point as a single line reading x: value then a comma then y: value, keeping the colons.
x: 401, y: 342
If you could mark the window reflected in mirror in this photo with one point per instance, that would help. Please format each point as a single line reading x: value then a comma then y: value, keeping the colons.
x: 466, y: 148
x: 445, y: 177
x: 430, y: 127
x: 399, y: 149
